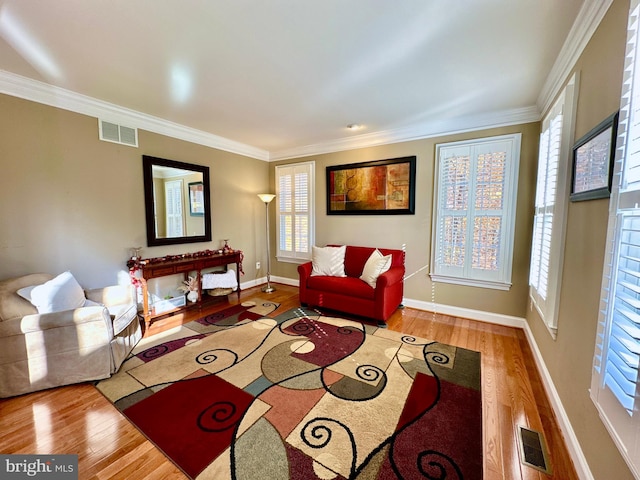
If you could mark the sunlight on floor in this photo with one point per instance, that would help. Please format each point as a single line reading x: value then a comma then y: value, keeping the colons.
x: 165, y: 336
x: 100, y: 425
x: 42, y: 427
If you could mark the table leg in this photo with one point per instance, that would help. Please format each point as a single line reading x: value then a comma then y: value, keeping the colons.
x: 145, y: 304
x: 238, y: 278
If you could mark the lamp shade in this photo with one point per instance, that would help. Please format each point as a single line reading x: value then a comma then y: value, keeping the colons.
x: 266, y: 197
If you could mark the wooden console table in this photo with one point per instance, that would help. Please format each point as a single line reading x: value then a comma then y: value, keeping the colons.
x: 185, y: 265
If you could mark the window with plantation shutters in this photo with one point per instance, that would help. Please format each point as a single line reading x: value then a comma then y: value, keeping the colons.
x: 551, y: 205
x: 294, y: 212
x: 615, y: 388
x: 545, y: 202
x: 475, y: 211
x: 174, y: 209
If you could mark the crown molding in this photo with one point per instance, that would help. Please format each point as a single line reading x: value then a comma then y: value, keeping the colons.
x: 587, y: 21
x: 585, y: 25
x: 40, y: 92
x: 436, y: 128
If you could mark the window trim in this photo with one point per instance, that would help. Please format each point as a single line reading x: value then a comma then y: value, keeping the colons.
x: 297, y: 258
x: 548, y: 307
x: 509, y: 210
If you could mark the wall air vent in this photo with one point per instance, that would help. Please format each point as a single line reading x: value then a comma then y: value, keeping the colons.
x: 110, y: 132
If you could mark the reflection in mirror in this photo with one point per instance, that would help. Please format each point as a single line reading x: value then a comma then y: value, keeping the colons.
x: 177, y: 202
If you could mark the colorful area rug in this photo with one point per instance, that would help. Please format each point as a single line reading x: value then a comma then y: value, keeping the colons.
x: 241, y: 395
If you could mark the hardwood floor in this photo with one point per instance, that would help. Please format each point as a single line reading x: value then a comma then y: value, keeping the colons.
x: 78, y: 419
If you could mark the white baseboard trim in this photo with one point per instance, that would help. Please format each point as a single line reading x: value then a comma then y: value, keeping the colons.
x: 252, y: 283
x: 284, y: 280
x: 497, y: 318
x: 263, y: 280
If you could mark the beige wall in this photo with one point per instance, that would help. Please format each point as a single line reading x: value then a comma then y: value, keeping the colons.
x: 69, y: 201
x: 414, y: 231
x: 569, y: 357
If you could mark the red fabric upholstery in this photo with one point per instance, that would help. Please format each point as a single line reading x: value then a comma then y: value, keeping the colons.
x: 354, y: 286
x: 350, y: 294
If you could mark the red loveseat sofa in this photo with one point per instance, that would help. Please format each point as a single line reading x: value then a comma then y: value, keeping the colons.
x: 350, y: 294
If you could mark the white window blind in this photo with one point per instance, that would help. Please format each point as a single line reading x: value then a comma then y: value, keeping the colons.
x: 551, y: 205
x: 475, y: 211
x: 295, y: 211
x: 614, y: 386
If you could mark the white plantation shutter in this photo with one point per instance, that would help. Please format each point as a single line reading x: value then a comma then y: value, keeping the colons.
x: 302, y: 211
x: 543, y: 220
x: 614, y: 384
x: 454, y: 183
x: 475, y: 211
x: 295, y: 214
x: 491, y: 170
x: 623, y: 349
x: 285, y: 212
x: 551, y: 205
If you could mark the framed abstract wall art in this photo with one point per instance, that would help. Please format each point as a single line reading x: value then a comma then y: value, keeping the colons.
x: 381, y: 187
x: 593, y: 158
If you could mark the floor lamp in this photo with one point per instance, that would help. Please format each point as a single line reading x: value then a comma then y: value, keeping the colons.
x: 266, y: 198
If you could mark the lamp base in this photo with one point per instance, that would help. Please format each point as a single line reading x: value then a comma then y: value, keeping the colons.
x: 268, y: 288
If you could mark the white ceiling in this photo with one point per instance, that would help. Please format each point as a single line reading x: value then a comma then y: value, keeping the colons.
x: 285, y: 77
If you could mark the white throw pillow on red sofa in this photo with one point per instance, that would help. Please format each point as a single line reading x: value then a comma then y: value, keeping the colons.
x: 328, y: 261
x: 375, y: 266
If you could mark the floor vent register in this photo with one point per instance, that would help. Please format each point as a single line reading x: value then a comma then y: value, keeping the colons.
x: 533, y: 451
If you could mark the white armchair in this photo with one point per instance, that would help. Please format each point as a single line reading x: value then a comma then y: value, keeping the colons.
x: 44, y: 350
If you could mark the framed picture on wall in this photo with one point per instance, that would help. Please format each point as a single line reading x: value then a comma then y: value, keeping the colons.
x: 593, y: 157
x: 381, y: 187
x: 196, y: 199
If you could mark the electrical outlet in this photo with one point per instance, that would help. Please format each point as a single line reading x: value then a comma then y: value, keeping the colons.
x: 257, y: 265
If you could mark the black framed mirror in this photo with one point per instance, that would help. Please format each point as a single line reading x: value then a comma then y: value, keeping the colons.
x: 177, y: 202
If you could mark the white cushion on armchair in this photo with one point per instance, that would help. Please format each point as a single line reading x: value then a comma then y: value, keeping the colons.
x: 58, y: 294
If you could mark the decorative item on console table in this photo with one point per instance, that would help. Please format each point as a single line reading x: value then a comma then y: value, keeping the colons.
x: 141, y: 270
x: 190, y: 287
